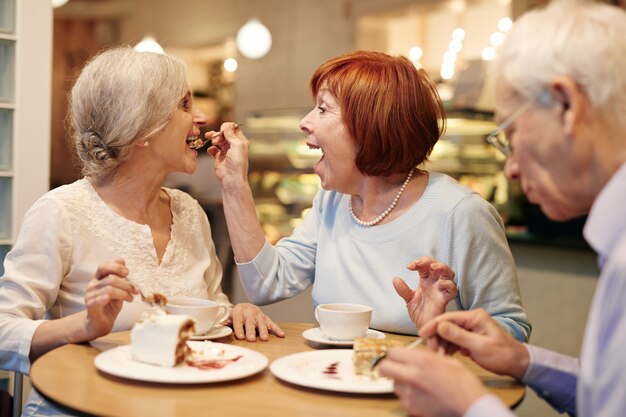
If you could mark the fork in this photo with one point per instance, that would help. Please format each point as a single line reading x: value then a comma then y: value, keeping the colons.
x: 200, y: 142
x: 381, y: 356
x: 151, y: 300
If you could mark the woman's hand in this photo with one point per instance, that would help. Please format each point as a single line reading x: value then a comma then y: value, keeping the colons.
x: 105, y: 294
x: 230, y: 151
x: 436, y: 289
x: 431, y: 385
x: 247, y: 319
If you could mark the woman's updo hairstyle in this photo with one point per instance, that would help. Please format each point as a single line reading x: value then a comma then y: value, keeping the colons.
x: 120, y: 97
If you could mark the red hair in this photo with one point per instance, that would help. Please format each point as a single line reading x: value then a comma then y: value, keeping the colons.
x: 388, y: 106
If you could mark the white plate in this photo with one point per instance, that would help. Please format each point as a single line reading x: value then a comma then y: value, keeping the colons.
x: 316, y: 335
x: 118, y: 362
x: 310, y: 369
x: 215, y: 333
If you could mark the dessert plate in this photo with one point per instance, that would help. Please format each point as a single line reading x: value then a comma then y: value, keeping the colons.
x: 316, y: 335
x: 215, y: 333
x: 330, y: 370
x: 118, y: 362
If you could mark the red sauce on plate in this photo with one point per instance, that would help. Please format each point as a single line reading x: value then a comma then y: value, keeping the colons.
x: 206, y: 364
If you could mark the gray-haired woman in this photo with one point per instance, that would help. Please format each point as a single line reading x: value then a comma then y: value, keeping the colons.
x: 131, y: 117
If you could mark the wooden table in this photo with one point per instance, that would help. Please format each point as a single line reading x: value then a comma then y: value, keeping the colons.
x: 67, y: 376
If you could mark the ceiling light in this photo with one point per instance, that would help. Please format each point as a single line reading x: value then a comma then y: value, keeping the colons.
x: 149, y: 44
x: 58, y: 3
x: 488, y: 53
x: 254, y: 40
x: 415, y: 53
x: 230, y: 64
x: 505, y: 24
x: 496, y: 39
x: 458, y: 34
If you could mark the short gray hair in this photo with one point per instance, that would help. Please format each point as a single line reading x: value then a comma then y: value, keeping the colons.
x: 120, y: 97
x: 583, y: 40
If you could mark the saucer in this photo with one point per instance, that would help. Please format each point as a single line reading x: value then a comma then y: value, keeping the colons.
x: 215, y: 333
x: 316, y: 335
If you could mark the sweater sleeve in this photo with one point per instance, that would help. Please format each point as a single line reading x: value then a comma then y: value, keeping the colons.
x: 484, y: 266
x: 33, y: 271
x: 283, y: 271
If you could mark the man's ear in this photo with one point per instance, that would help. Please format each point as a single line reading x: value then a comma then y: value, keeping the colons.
x: 572, y: 99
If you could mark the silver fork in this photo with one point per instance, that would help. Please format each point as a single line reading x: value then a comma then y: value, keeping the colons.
x: 146, y: 299
x: 376, y: 361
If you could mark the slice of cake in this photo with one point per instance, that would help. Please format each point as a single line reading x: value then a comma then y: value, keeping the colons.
x: 366, y: 349
x: 161, y: 339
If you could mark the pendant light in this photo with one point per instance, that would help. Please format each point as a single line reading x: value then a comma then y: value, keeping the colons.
x: 253, y: 39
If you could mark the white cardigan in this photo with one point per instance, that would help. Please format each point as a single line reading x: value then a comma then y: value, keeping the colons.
x: 63, y: 238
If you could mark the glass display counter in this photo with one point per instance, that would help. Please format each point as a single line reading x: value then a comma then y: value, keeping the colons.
x: 284, y: 185
x: 281, y: 170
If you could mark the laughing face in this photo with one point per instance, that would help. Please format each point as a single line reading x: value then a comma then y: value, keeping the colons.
x: 171, y: 143
x: 326, y: 132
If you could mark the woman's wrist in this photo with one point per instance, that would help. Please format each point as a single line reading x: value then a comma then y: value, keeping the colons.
x: 54, y: 333
x: 235, y: 187
x: 79, y: 330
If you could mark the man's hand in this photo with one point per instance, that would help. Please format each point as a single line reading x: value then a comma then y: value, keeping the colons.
x: 477, y: 335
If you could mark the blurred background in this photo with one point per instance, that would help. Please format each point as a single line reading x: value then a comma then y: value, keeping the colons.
x: 250, y: 61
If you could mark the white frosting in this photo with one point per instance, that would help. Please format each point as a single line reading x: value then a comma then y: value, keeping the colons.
x: 154, y: 339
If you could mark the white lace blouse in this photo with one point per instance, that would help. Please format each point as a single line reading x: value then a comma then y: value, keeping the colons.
x: 63, y: 238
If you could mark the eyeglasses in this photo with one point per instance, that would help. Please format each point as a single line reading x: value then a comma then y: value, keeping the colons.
x: 498, y: 139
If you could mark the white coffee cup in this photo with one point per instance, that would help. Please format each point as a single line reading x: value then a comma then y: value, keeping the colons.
x: 207, y: 313
x: 343, y: 321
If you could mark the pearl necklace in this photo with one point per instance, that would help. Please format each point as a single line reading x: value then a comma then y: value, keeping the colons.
x: 386, y: 212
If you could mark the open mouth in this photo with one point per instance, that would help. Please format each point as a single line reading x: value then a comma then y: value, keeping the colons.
x: 315, y: 147
x: 195, y: 142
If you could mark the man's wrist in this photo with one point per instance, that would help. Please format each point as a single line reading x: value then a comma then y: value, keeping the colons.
x: 521, y: 361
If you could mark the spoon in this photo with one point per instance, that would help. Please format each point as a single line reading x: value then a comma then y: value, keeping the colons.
x: 200, y: 141
x: 381, y: 356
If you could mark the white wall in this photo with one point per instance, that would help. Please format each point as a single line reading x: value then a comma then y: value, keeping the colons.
x: 305, y: 34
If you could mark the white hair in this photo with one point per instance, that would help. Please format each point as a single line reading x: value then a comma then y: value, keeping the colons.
x: 120, y: 97
x: 583, y: 40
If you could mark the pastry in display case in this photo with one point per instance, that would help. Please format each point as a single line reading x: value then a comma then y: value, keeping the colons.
x: 464, y: 154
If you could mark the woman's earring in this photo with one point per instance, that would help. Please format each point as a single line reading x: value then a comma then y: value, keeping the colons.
x: 146, y: 144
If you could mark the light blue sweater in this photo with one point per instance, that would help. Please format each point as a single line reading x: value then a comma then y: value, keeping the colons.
x: 356, y: 264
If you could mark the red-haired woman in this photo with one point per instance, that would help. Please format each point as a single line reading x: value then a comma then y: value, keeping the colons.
x: 378, y: 216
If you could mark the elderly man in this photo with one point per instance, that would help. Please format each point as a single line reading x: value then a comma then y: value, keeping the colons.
x: 561, y: 100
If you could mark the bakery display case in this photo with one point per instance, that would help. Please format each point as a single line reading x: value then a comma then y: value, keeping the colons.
x: 284, y: 184
x: 281, y: 170
x: 463, y: 153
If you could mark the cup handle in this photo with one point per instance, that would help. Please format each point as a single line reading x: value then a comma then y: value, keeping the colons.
x: 316, y: 314
x: 223, y: 315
